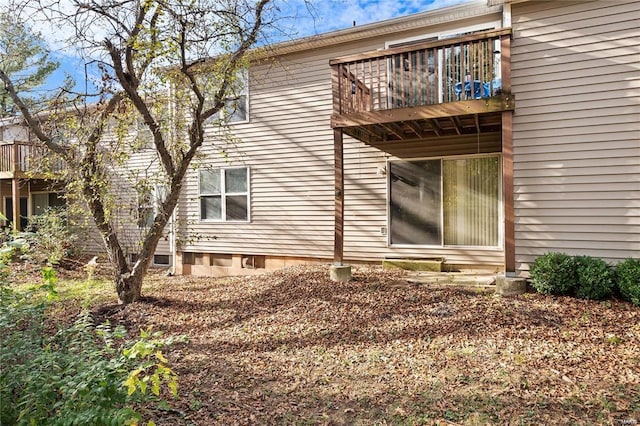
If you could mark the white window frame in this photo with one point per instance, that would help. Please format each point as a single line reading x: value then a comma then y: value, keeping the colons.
x: 223, y: 196
x: 500, y: 245
x: 224, y: 112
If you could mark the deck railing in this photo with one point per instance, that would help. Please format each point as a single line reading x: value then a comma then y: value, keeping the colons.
x: 426, y: 73
x: 24, y: 157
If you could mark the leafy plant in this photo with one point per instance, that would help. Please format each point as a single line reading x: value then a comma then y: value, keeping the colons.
x: 49, y: 237
x: 595, y: 279
x: 76, y: 376
x: 553, y: 273
x: 628, y: 280
x: 154, y: 368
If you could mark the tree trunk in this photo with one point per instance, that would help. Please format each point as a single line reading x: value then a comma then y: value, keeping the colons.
x: 128, y: 287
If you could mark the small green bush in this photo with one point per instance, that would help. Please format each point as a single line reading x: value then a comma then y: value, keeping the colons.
x: 628, y: 280
x: 49, y: 238
x: 553, y: 273
x: 595, y: 278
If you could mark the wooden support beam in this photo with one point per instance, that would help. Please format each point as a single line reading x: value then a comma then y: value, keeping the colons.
x: 507, y: 191
x: 415, y: 128
x: 476, y: 120
x: 15, y: 195
x: 435, y: 126
x: 505, y: 62
x: 338, y: 159
x: 393, y: 129
x: 358, y: 134
x: 15, y: 188
x: 371, y: 131
x: 366, y: 134
x: 507, y: 160
x: 456, y: 125
x: 499, y: 103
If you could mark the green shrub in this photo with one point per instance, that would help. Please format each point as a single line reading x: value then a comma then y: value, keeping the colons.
x: 83, y: 374
x: 595, y: 278
x: 628, y: 280
x: 49, y: 237
x: 553, y: 273
x: 46, y: 240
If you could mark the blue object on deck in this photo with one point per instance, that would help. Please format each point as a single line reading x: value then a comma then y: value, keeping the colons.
x: 478, y: 89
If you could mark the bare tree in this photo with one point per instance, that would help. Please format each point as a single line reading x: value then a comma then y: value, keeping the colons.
x: 149, y: 61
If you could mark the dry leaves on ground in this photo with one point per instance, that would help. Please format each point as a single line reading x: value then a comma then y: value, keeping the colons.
x: 292, y: 347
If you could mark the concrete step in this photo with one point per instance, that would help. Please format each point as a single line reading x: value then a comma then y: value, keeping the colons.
x: 433, y: 265
x: 471, y: 280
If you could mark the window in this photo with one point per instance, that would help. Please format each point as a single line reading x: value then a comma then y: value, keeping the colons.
x: 236, y: 109
x: 161, y: 259
x: 448, y: 202
x: 148, y: 205
x: 42, y: 201
x: 224, y: 194
x: 143, y: 136
x: 146, y: 210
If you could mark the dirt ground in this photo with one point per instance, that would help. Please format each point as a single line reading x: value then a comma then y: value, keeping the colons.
x: 292, y: 347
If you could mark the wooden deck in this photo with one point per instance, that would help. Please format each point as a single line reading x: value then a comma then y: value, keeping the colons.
x: 23, y: 160
x: 439, y: 88
x: 435, y: 93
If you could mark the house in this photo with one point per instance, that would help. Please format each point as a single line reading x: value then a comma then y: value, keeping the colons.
x: 483, y: 134
x: 18, y: 158
x: 30, y: 173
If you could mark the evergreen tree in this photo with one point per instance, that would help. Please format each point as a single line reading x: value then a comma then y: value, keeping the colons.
x: 24, y: 57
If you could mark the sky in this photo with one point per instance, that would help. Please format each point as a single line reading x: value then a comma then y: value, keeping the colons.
x: 304, y: 18
x: 329, y: 15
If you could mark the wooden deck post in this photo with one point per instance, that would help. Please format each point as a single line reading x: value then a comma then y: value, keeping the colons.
x: 507, y: 191
x: 15, y: 188
x: 338, y: 157
x: 507, y: 161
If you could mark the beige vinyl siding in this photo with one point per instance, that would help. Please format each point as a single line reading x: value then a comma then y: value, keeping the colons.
x: 576, y: 129
x: 288, y: 146
x: 143, y: 164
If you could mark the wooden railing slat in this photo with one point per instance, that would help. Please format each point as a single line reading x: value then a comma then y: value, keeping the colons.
x: 23, y: 157
x: 420, y: 46
x: 423, y: 74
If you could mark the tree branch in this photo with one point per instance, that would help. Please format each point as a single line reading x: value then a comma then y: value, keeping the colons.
x: 32, y: 122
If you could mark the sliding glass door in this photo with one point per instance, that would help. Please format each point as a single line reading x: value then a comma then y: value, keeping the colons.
x: 449, y: 202
x: 415, y: 202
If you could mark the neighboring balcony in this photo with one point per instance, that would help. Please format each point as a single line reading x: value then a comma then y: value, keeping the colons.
x: 24, y: 160
x: 455, y: 86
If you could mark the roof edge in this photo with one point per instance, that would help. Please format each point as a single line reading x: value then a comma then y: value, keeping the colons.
x: 389, y: 26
